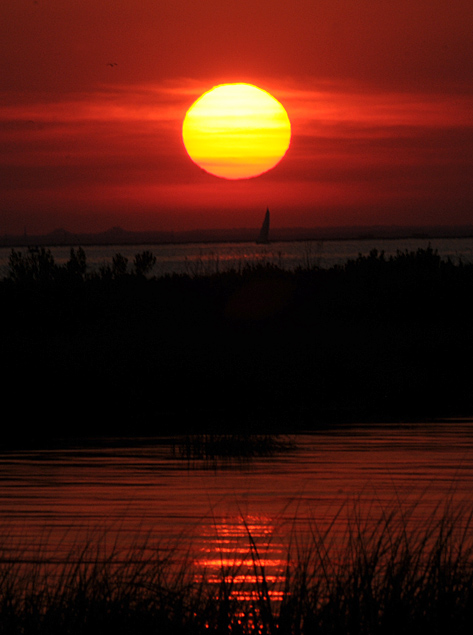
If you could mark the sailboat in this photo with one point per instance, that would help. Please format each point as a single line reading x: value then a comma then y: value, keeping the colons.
x: 263, y: 237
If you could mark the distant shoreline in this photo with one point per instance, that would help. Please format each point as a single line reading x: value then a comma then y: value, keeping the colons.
x: 120, y: 237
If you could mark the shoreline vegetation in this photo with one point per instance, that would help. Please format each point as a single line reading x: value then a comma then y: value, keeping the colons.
x: 210, y: 447
x: 379, y: 576
x: 254, y: 350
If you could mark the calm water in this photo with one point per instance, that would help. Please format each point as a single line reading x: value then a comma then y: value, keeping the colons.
x: 62, y: 497
x: 207, y: 258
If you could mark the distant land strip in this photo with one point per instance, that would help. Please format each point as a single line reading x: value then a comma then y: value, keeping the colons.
x: 119, y: 236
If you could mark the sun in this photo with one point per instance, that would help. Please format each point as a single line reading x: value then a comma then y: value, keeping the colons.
x: 236, y: 131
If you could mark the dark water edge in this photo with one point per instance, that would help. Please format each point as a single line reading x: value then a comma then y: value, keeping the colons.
x: 260, y: 349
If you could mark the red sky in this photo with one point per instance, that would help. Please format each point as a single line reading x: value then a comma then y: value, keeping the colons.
x: 379, y: 94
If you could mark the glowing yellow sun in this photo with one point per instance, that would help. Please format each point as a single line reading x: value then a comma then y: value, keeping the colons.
x: 236, y: 131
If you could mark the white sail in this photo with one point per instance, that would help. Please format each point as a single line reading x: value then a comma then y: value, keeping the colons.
x: 264, y: 232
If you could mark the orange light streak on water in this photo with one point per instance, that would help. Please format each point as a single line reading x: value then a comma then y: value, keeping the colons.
x: 244, y: 554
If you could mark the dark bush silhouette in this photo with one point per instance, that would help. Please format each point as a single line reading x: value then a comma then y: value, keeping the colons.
x: 256, y: 348
x: 144, y: 263
x: 37, y: 266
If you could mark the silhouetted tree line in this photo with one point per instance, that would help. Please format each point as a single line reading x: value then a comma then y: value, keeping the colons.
x: 119, y: 350
x: 37, y: 266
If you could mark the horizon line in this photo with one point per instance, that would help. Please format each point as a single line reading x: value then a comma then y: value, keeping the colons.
x: 118, y: 236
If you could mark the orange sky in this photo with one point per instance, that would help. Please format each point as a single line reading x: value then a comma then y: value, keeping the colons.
x: 379, y: 94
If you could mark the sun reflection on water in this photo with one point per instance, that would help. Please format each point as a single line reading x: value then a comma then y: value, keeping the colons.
x: 244, y: 557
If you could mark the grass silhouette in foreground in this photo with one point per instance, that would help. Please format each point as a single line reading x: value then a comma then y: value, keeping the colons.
x: 256, y: 348
x: 390, y: 575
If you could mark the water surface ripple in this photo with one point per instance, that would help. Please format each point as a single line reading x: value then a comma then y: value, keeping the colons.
x: 51, y: 500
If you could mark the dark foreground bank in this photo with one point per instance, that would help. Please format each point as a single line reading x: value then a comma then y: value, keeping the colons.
x: 384, y: 578
x: 258, y: 348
